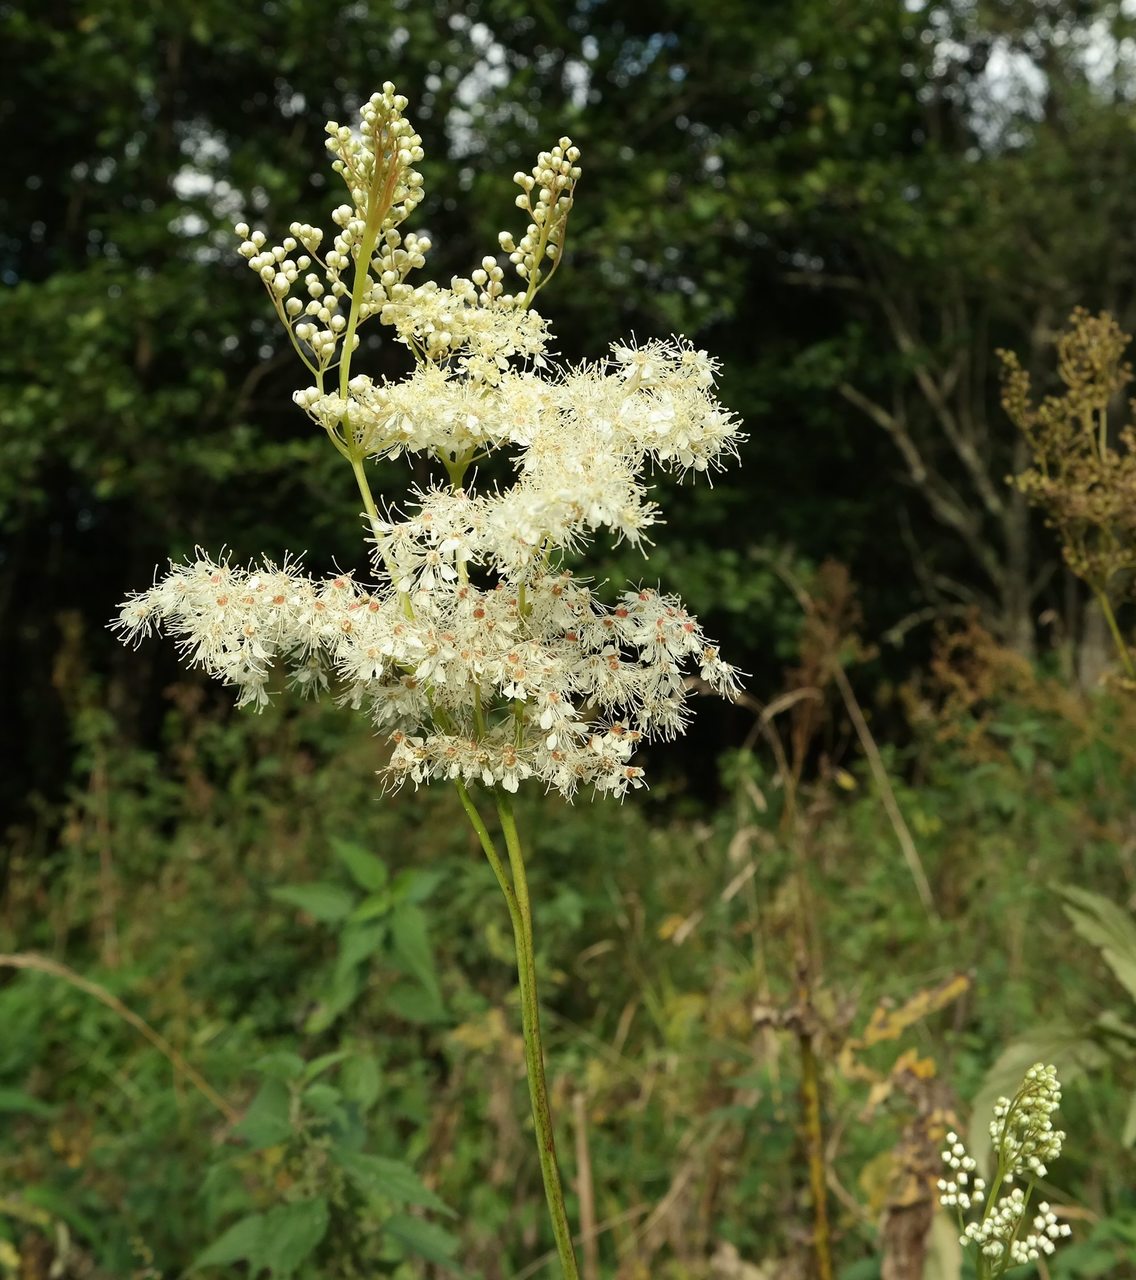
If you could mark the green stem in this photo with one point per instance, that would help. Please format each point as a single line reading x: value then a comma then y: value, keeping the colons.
x: 534, y: 1049
x: 368, y: 497
x: 1126, y: 660
x: 478, y: 824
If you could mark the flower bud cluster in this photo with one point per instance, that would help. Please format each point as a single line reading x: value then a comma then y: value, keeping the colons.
x: 1022, y: 1130
x: 1000, y: 1235
x: 1024, y: 1140
x: 554, y: 178
x: 376, y: 163
x: 963, y: 1189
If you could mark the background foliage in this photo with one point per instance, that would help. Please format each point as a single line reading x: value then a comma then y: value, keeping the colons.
x: 852, y: 206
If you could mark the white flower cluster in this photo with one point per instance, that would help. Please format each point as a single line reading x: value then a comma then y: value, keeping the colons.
x: 645, y: 405
x: 1024, y: 1140
x: 475, y: 650
x: 492, y: 685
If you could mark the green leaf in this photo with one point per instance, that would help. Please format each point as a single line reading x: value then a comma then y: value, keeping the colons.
x: 339, y: 996
x: 240, y: 1243
x: 62, y: 1207
x: 17, y: 1100
x: 322, y: 901
x: 412, y: 946
x: 415, y: 884
x: 395, y: 1181
x: 324, y: 1062
x: 1108, y: 927
x: 409, y: 1000
x: 368, y: 871
x: 291, y: 1232
x: 423, y: 1239
x: 359, y: 942
x: 281, y: 1065
x: 373, y: 908
x: 325, y: 1101
x: 1123, y: 1033
x: 267, y: 1122
x: 360, y: 1081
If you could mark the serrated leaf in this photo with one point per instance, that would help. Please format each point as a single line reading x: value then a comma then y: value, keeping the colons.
x: 411, y: 940
x: 360, y: 1081
x: 291, y: 1232
x: 395, y: 1181
x: 321, y: 900
x: 267, y: 1122
x: 423, y: 1239
x: 239, y: 1244
x: 1108, y: 927
x: 368, y: 871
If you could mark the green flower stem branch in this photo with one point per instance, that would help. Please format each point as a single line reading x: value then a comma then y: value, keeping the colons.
x: 516, y: 892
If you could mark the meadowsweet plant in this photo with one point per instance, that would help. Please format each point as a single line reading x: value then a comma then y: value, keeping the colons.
x: 1024, y: 1143
x: 479, y: 653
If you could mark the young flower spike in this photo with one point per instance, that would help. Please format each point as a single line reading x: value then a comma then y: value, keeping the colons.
x: 476, y: 649
x: 1024, y: 1144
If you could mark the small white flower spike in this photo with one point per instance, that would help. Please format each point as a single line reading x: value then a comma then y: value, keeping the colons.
x: 1024, y: 1143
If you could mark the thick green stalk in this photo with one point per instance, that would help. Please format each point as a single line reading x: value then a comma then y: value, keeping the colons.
x: 534, y: 1049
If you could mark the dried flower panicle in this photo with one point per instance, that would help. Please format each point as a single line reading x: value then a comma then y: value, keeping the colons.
x: 1024, y: 1143
x: 475, y: 649
x: 1083, y: 475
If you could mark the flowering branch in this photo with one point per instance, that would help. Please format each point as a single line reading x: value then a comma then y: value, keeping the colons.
x: 478, y: 652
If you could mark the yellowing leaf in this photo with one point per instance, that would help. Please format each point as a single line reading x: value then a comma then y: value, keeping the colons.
x: 890, y: 1024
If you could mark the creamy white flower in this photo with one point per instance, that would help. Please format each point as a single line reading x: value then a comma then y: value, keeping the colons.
x: 479, y: 657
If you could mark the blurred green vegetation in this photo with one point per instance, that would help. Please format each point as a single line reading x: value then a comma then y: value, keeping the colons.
x: 852, y: 206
